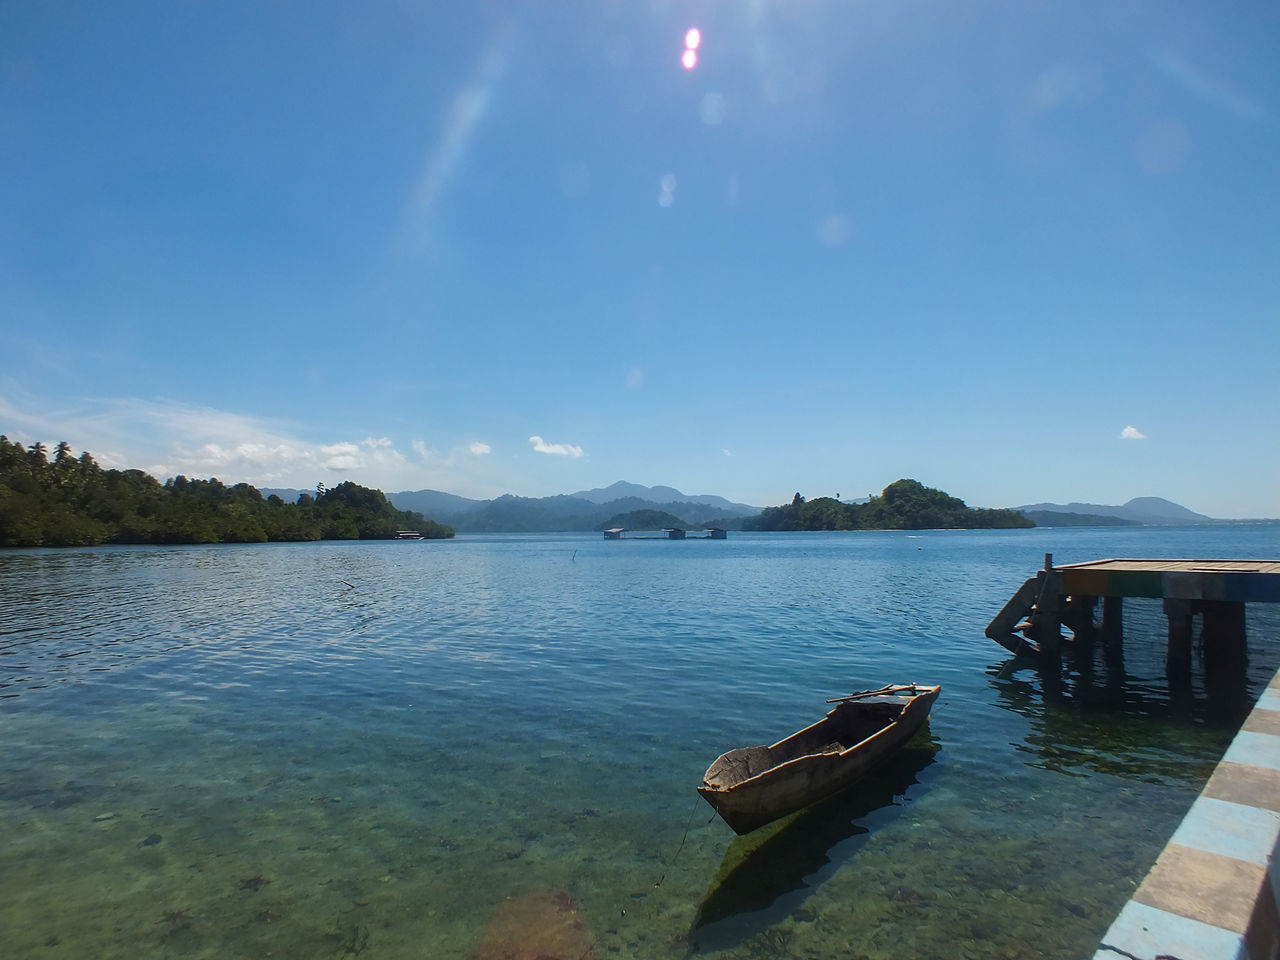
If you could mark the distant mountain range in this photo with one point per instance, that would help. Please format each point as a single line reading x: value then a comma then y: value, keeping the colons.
x: 585, y: 510
x: 623, y: 490
x: 589, y: 509
x: 1139, y: 510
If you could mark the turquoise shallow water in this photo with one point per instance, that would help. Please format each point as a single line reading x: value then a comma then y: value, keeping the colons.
x: 487, y: 746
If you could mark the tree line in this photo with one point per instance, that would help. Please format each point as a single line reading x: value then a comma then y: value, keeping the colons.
x: 72, y: 501
x: 903, y: 505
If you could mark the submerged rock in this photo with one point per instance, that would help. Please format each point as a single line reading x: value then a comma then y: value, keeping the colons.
x: 536, y: 925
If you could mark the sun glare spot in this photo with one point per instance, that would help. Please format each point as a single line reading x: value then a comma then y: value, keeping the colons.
x: 667, y: 190
x: 692, y: 40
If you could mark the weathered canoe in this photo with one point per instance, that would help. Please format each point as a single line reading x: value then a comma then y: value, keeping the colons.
x: 752, y: 786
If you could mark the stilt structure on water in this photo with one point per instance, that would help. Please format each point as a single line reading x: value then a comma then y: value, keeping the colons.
x: 1215, y: 590
x: 667, y: 533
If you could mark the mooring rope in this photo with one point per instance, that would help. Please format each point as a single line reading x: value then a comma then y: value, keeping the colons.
x: 668, y: 864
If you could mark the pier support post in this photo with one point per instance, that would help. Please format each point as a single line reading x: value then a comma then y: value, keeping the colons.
x: 1226, y: 656
x: 1078, y: 615
x: 1113, y: 639
x: 1178, y: 661
x: 1048, y: 617
x: 1223, y: 625
x: 1113, y: 622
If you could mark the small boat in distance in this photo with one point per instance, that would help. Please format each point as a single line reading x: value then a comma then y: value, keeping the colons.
x: 752, y: 786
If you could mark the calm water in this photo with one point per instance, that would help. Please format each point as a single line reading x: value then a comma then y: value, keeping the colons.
x: 487, y: 746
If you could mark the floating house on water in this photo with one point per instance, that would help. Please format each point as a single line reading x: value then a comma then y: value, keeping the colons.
x: 668, y: 533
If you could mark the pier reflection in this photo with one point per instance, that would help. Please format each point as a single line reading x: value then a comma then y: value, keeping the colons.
x: 768, y: 874
x: 1092, y: 716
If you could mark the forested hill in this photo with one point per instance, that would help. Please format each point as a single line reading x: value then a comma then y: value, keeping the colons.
x: 904, y: 505
x: 70, y: 501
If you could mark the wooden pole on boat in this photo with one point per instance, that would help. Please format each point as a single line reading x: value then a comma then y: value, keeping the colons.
x: 883, y: 691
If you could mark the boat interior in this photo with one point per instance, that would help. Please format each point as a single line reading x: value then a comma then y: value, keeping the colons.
x: 848, y: 724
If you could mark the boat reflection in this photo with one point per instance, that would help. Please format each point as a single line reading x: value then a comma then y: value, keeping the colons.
x: 767, y: 874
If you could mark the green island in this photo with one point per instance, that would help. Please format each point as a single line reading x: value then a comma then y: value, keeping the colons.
x: 72, y: 501
x: 903, y: 505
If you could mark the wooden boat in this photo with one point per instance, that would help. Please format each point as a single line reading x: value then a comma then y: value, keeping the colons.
x: 752, y: 786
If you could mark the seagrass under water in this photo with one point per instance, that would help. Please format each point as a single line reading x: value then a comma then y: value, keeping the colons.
x: 459, y: 749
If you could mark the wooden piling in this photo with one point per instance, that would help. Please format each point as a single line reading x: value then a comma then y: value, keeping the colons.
x: 1078, y: 615
x: 1222, y: 636
x: 1048, y: 614
x: 1178, y: 660
x: 1113, y: 622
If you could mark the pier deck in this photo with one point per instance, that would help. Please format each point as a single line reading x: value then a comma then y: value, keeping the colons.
x: 1215, y: 590
x: 1243, y: 581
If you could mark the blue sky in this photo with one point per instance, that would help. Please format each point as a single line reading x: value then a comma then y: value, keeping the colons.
x: 1018, y: 251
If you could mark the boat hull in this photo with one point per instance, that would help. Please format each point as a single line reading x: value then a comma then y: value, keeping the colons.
x: 752, y: 786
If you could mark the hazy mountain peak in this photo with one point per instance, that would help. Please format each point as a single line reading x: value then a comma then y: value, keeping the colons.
x: 1140, y: 510
x: 1162, y: 508
x: 622, y: 490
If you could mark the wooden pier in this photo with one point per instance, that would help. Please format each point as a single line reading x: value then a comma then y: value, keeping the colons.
x: 1215, y: 590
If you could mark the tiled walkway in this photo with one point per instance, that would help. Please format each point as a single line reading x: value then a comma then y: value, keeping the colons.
x: 1212, y: 893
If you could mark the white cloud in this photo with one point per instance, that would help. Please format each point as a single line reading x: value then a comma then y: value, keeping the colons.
x: 726, y: 453
x: 341, y: 456
x: 635, y: 378
x: 478, y: 449
x: 215, y: 457
x: 555, y: 449
x: 1132, y: 433
x: 166, y: 439
x: 373, y: 451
